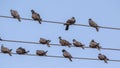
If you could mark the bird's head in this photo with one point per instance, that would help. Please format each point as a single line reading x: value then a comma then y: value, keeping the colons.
x: 73, y: 17
x: 74, y: 40
x: 90, y: 19
x: 59, y: 37
x: 11, y: 10
x: 41, y: 38
x: 32, y: 11
x: 99, y: 54
x: 37, y: 50
x: 63, y: 50
x: 20, y: 48
x: 92, y: 40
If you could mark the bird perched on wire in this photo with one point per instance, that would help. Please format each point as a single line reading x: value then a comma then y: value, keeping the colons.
x: 70, y: 22
x: 67, y: 54
x: 78, y: 44
x: 93, y: 24
x: 41, y: 52
x: 94, y: 44
x: 21, y: 50
x: 64, y: 42
x: 102, y: 57
x: 15, y: 14
x: 6, y: 50
x: 44, y: 41
x: 36, y: 16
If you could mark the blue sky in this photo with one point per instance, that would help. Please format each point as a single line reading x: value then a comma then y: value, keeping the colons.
x: 103, y: 12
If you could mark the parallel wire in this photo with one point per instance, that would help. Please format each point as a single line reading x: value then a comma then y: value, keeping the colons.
x: 62, y: 23
x: 115, y: 49
x: 63, y: 57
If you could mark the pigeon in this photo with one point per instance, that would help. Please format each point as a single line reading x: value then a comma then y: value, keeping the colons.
x: 94, y: 44
x: 78, y: 44
x: 69, y: 22
x: 67, y: 55
x: 41, y: 52
x: 6, y: 50
x: 15, y: 14
x: 102, y: 57
x: 64, y: 42
x: 44, y: 41
x: 21, y: 50
x: 36, y: 16
x: 93, y: 24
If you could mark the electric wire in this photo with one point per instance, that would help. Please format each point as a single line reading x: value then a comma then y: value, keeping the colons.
x: 62, y: 57
x: 61, y: 23
x: 115, y: 49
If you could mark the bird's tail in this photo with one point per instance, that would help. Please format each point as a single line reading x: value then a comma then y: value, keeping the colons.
x: 19, y: 19
x: 46, y: 53
x: 27, y: 51
x: 67, y: 27
x: 97, y: 29
x: 69, y: 45
x: 105, y: 60
x: 40, y: 21
x: 10, y: 52
x: 70, y: 59
x: 82, y: 47
x: 48, y: 43
x: 98, y: 46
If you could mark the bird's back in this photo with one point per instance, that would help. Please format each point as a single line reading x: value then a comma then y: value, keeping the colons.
x: 35, y: 16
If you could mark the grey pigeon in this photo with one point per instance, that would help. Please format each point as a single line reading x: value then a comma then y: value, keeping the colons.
x: 93, y: 24
x: 64, y: 42
x: 21, y: 50
x: 102, y: 57
x: 94, y: 44
x: 41, y: 52
x: 44, y: 41
x: 78, y: 44
x: 6, y: 50
x: 36, y: 16
x: 69, y: 22
x: 15, y: 14
x: 67, y: 54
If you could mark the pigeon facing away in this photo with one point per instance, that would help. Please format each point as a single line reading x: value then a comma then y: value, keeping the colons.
x: 44, y: 41
x: 67, y: 54
x: 15, y: 14
x: 21, y: 50
x: 6, y: 50
x: 36, y: 16
x: 69, y: 22
x: 64, y: 42
x: 78, y: 44
x: 102, y: 57
x: 93, y: 24
x: 94, y: 44
x: 41, y: 52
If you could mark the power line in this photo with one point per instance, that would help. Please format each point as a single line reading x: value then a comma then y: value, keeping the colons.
x: 52, y: 44
x: 62, y: 57
x: 62, y: 23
